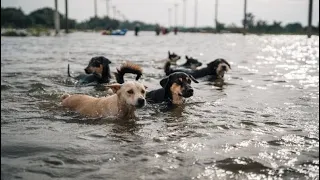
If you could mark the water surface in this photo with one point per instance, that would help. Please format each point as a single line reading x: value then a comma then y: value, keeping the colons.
x: 262, y: 123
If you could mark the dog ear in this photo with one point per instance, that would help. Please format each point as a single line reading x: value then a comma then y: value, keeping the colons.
x: 169, y: 53
x: 164, y: 82
x: 138, y: 77
x: 192, y: 78
x: 105, y: 61
x: 187, y: 57
x: 115, y: 87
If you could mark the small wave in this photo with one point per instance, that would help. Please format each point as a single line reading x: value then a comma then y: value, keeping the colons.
x: 6, y: 87
x: 242, y: 164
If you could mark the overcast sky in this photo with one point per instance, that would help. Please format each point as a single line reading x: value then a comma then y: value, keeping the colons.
x: 156, y: 11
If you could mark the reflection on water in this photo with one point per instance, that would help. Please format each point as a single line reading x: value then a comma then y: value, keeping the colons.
x: 260, y: 122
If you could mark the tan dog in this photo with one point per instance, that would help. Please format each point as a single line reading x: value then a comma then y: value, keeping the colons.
x: 128, y: 97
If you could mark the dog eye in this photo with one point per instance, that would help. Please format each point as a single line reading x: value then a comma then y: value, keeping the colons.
x: 143, y: 91
x: 189, y: 81
x: 130, y: 91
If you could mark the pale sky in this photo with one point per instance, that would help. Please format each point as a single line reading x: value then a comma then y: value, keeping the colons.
x: 156, y: 11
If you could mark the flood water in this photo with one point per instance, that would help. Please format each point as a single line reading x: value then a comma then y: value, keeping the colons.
x: 261, y: 124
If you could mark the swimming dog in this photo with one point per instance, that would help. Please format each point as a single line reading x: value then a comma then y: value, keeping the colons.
x: 172, y: 57
x: 175, y: 87
x: 97, y: 72
x: 191, y: 63
x: 128, y: 96
x: 216, y: 69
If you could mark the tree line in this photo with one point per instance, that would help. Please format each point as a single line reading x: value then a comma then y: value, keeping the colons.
x: 44, y: 17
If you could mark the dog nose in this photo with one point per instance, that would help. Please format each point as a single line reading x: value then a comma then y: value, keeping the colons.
x: 86, y: 70
x: 141, y: 102
x: 224, y: 67
x: 190, y: 91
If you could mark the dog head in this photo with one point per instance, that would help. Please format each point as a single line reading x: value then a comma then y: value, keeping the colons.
x: 192, y: 63
x: 173, y: 57
x: 219, y: 67
x: 179, y: 85
x: 97, y: 64
x: 132, y: 93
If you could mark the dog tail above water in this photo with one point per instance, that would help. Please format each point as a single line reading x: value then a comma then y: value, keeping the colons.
x: 128, y: 67
x: 167, y: 68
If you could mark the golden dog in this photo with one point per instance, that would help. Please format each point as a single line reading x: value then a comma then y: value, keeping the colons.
x: 122, y: 104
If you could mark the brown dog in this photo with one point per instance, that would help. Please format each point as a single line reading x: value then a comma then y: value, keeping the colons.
x: 128, y: 97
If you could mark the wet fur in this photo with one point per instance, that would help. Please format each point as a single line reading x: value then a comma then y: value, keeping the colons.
x: 97, y: 72
x: 122, y: 104
x: 191, y: 63
x: 215, y: 69
x: 172, y: 57
x: 127, y: 68
x: 173, y: 87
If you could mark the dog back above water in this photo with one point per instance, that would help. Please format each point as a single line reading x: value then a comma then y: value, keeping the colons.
x: 127, y: 98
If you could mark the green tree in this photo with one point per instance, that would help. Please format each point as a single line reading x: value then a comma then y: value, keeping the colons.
x: 294, y: 28
x: 15, y: 18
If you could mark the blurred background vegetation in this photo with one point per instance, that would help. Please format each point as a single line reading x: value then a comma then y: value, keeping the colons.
x: 40, y: 21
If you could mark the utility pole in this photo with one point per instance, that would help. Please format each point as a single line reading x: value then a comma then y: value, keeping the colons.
x: 114, y: 12
x: 195, y: 13
x: 95, y: 9
x: 67, y: 28
x: 56, y: 17
x: 184, y: 12
x: 169, y: 17
x: 310, y: 19
x: 245, y: 18
x: 107, y: 3
x: 216, y: 14
x: 176, y: 14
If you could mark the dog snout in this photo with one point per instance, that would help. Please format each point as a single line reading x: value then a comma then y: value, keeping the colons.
x: 86, y: 70
x: 141, y: 102
x: 224, y: 68
x: 188, y: 93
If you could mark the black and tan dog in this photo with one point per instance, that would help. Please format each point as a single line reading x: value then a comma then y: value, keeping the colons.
x: 97, y: 72
x: 175, y: 87
x: 172, y: 57
x: 191, y: 63
x: 216, y: 69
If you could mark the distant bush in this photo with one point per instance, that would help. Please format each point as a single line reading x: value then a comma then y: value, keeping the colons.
x: 14, y: 33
